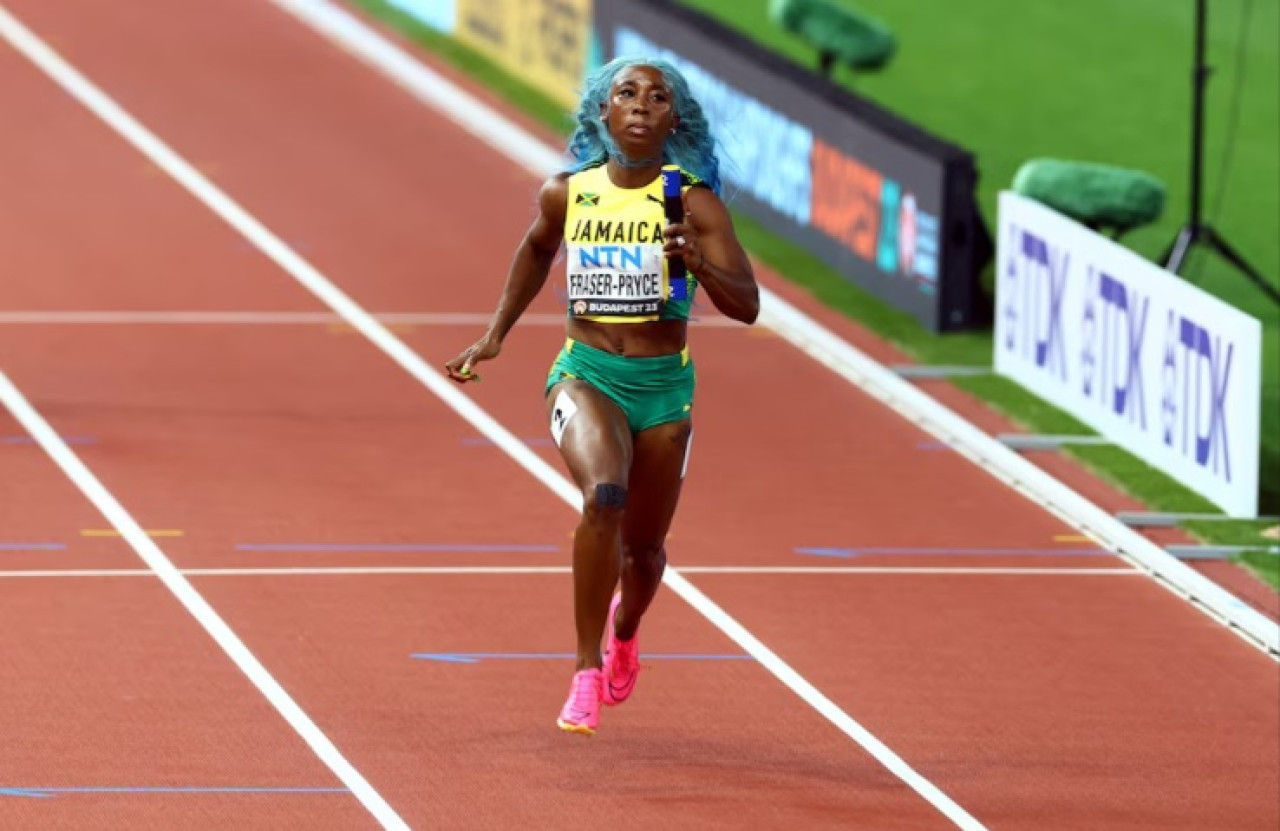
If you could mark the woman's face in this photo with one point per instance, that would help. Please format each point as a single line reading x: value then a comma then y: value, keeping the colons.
x: 640, y: 113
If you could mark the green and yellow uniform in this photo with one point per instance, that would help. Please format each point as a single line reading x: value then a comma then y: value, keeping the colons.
x: 616, y: 273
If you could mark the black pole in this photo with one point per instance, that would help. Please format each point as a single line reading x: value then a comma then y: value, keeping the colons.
x: 826, y: 62
x: 1199, y: 76
x: 1195, y: 231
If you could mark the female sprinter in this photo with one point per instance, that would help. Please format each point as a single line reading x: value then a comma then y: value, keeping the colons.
x: 619, y: 395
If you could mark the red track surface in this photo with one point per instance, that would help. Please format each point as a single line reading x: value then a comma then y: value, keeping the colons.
x: 1046, y: 701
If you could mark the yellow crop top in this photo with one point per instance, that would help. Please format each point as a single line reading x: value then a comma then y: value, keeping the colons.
x: 615, y: 271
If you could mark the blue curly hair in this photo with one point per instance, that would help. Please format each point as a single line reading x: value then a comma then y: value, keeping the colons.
x: 692, y: 146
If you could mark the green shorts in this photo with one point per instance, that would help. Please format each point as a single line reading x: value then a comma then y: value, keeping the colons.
x: 650, y: 391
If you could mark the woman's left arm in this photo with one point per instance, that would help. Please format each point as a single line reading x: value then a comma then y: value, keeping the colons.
x: 714, y: 256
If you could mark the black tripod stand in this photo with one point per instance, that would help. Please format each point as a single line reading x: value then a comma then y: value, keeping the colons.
x: 1196, y: 231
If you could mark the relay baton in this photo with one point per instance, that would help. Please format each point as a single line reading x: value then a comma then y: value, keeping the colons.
x: 673, y: 209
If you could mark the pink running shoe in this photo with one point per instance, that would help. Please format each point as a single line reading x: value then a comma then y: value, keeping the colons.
x: 581, y: 713
x: 621, y: 662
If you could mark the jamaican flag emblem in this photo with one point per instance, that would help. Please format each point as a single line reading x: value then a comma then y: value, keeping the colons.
x: 588, y: 200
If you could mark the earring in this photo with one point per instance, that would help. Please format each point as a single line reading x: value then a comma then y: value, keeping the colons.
x: 673, y: 131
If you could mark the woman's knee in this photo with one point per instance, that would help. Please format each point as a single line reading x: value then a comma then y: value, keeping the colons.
x: 603, y: 504
x: 644, y: 554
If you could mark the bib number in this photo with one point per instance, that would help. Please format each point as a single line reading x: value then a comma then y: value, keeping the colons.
x: 616, y: 280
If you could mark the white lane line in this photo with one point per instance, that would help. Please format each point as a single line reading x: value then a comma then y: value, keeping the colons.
x: 78, y: 572
x: 243, y: 318
x: 277, y: 250
x: 806, y: 334
x: 290, y: 571
x: 163, y: 568
x: 27, y: 44
x: 252, y: 318
x: 959, y: 570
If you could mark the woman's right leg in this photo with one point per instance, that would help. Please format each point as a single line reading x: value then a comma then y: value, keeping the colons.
x: 595, y: 442
x: 657, y: 474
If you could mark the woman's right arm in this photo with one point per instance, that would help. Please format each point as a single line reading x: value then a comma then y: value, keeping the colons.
x: 529, y: 270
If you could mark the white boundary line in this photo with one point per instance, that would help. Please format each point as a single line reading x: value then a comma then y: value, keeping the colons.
x: 966, y: 570
x: 163, y: 568
x: 244, y: 318
x: 251, y: 318
x: 362, y: 42
x: 277, y: 250
x: 341, y: 571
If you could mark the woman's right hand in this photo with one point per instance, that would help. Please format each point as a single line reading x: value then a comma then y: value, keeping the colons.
x: 485, y: 349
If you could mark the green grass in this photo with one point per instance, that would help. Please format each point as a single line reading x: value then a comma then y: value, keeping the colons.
x: 989, y: 109
x: 1266, y: 566
x: 1099, y: 81
x: 1012, y: 82
x: 1263, y: 561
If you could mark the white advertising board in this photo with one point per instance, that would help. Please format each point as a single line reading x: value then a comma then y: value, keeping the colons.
x: 1157, y: 366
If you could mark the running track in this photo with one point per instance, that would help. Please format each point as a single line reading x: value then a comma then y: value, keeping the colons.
x: 1034, y: 682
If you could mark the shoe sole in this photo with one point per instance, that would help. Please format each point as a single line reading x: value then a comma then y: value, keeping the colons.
x: 580, y: 729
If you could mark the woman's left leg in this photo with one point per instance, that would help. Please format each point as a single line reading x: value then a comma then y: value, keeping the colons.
x: 657, y: 472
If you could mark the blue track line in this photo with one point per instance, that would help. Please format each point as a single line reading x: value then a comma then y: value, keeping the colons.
x: 955, y: 552
x: 45, y: 793
x: 477, y: 657
x: 398, y: 547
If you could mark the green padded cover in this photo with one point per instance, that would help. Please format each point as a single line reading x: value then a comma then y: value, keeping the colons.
x: 829, y: 26
x: 1094, y: 194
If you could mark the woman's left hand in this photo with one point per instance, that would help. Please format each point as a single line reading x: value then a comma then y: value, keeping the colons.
x: 682, y: 241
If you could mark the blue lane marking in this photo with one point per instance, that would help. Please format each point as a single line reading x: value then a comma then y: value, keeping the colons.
x: 45, y: 793
x: 29, y: 440
x: 479, y: 441
x: 961, y: 552
x: 32, y: 546
x: 254, y: 546
x: 477, y: 657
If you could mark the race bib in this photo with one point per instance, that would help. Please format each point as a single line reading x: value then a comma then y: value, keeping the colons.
x: 615, y: 280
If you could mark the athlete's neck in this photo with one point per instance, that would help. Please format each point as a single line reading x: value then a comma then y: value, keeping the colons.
x: 630, y: 174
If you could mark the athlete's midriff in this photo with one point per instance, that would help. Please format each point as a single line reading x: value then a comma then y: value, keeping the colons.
x: 645, y: 339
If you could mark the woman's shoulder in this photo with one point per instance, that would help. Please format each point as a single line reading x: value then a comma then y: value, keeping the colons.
x: 553, y: 197
x: 690, y: 180
x: 696, y: 186
x: 560, y: 182
x: 564, y: 180
x: 557, y: 181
